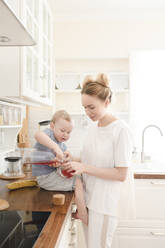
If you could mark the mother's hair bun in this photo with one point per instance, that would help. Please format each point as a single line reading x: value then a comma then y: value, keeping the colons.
x: 87, y: 79
x: 103, y: 79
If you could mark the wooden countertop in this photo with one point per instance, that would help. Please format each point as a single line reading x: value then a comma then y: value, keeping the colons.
x: 149, y: 176
x: 36, y: 199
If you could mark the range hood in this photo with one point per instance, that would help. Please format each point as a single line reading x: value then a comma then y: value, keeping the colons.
x: 12, y: 31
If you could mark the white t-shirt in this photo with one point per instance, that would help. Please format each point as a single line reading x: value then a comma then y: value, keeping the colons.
x: 106, y: 147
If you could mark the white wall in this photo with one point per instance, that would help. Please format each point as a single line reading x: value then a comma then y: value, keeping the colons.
x: 109, y: 38
x: 92, y: 65
x: 91, y: 39
x: 147, y: 101
x: 37, y: 114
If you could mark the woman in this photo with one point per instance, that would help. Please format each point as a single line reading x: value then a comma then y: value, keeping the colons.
x: 104, y: 162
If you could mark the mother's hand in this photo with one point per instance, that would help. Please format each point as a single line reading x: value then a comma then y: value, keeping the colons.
x: 71, y: 166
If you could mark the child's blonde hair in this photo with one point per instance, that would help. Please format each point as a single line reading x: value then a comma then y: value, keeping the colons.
x: 61, y: 114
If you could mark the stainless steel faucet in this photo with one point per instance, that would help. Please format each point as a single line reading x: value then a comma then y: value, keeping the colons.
x: 142, y: 152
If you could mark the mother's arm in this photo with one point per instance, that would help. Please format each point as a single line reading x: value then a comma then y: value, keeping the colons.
x: 117, y: 173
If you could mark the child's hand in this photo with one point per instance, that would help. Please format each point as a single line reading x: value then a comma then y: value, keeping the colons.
x: 57, y: 163
x: 68, y: 156
x: 59, y: 153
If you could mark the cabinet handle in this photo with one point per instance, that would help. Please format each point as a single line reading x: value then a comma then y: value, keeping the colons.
x: 43, y: 76
x: 72, y: 244
x: 73, y: 208
x: 158, y: 233
x: 73, y: 229
x: 158, y: 183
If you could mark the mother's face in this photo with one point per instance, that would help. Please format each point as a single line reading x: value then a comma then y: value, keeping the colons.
x: 94, y: 107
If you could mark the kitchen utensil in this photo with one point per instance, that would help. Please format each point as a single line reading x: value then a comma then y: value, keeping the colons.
x: 11, y: 177
x: 38, y: 157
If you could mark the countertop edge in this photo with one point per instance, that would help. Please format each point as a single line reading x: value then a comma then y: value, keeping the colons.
x: 149, y: 176
x: 53, y: 229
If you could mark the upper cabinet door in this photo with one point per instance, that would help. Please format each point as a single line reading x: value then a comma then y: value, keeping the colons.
x: 38, y: 62
x: 27, y: 72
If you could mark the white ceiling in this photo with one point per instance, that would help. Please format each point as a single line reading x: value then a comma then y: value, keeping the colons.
x: 82, y: 9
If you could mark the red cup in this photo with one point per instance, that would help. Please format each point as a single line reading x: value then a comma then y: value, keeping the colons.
x: 67, y: 174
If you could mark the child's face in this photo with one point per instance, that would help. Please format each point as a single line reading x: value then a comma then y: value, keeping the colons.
x: 61, y: 129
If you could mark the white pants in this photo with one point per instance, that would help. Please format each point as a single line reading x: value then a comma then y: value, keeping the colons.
x: 100, y: 230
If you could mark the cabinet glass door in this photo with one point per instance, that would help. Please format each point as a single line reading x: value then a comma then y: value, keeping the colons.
x: 29, y: 68
x: 46, y: 51
x: 32, y: 58
x: 37, y: 59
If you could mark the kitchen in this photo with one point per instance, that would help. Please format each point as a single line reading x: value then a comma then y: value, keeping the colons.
x: 74, y: 39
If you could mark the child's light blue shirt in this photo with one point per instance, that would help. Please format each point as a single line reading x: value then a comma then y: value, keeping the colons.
x: 38, y: 170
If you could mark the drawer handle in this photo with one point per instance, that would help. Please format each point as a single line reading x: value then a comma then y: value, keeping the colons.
x: 73, y: 229
x: 158, y: 183
x: 158, y: 233
x: 72, y: 243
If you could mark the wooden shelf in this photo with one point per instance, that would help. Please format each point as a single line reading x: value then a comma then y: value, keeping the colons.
x: 68, y: 91
x: 5, y: 150
x: 10, y: 126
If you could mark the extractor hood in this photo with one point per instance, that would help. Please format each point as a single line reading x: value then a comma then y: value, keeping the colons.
x: 12, y: 31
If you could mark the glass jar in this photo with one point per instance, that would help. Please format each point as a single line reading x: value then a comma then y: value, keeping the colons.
x: 1, y: 115
x: 16, y: 122
x: 19, y: 116
x: 5, y: 115
x: 1, y: 137
x: 10, y: 116
x: 13, y: 166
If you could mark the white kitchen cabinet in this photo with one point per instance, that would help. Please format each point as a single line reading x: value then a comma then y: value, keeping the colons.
x: 150, y: 203
x: 139, y: 238
x: 11, y: 117
x: 148, y: 229
x: 27, y: 72
x: 14, y: 5
x: 72, y: 234
x: 68, y: 234
x: 80, y: 235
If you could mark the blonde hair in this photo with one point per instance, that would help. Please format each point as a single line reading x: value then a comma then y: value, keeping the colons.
x: 61, y: 114
x: 98, y: 87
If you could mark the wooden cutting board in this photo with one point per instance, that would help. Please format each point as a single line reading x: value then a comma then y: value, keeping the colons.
x: 11, y: 177
x: 23, y: 136
x: 3, y: 204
